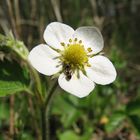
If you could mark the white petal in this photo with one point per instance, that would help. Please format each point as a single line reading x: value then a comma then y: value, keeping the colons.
x: 91, y: 38
x: 79, y: 87
x: 42, y: 59
x: 101, y: 71
x: 57, y: 32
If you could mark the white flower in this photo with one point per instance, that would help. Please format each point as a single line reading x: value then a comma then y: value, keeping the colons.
x: 74, y: 56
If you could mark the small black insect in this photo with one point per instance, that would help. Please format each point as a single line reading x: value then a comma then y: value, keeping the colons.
x: 67, y: 71
x: 68, y: 77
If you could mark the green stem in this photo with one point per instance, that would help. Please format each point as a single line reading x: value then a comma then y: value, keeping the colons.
x: 36, y: 77
x: 37, y: 80
x: 50, y: 95
x: 43, y: 123
x: 45, y: 113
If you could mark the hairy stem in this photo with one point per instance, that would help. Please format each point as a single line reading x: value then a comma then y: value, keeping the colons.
x: 50, y: 95
x: 34, y: 74
x: 43, y: 123
x: 45, y: 113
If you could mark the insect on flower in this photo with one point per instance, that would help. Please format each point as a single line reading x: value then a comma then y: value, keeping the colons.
x: 75, y: 56
x: 67, y: 71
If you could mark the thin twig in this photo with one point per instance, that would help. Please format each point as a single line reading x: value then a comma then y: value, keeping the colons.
x: 32, y: 17
x: 11, y: 15
x: 98, y: 20
x: 29, y: 22
x: 41, y: 21
x: 17, y: 16
x: 56, y: 8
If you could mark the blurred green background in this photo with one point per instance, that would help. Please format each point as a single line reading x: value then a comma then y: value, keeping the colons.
x: 110, y: 112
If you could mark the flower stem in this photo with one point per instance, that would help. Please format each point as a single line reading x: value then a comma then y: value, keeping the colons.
x: 45, y: 113
x: 50, y: 95
x: 43, y: 123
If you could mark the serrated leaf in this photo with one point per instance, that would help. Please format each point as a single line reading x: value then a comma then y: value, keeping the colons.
x: 10, y: 87
x: 12, y: 79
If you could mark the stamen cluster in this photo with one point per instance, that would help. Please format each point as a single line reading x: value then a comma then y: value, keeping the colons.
x: 75, y: 54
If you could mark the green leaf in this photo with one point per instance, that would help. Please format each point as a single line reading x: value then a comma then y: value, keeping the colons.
x: 115, y: 121
x: 68, y: 135
x: 133, y: 108
x: 26, y: 136
x: 87, y: 134
x: 70, y: 112
x: 4, y: 111
x: 1, y: 137
x: 135, y: 120
x: 4, y: 114
x: 12, y: 78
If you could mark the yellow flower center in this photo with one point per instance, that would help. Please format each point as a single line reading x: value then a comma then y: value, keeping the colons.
x: 73, y: 58
x: 75, y: 54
